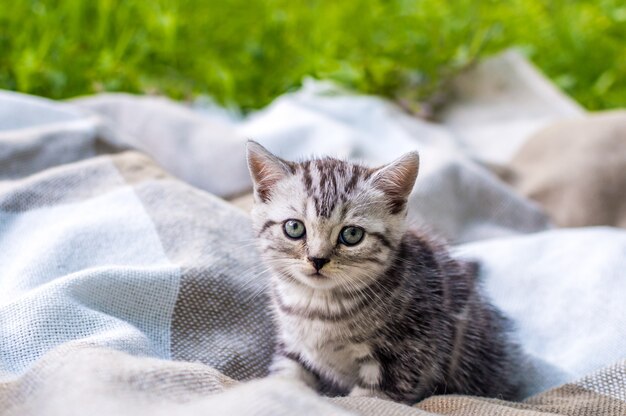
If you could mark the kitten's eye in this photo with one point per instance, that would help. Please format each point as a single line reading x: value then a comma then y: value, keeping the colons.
x: 351, y: 236
x: 294, y: 229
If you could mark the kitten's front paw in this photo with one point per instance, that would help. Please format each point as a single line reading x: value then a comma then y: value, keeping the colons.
x: 288, y: 369
x: 361, y: 392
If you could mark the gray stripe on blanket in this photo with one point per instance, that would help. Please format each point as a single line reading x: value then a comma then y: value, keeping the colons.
x: 29, y: 151
x: 221, y: 316
x: 80, y: 260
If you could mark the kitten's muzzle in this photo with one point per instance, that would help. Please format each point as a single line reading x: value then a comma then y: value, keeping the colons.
x: 318, y: 262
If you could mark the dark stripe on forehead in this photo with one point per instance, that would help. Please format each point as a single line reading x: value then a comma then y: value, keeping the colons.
x: 322, y: 173
x: 325, y: 192
x: 354, y: 179
x: 333, y: 184
x: 306, y: 177
x: 333, y: 179
x: 333, y: 191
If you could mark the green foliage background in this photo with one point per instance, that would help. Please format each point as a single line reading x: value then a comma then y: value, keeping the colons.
x: 245, y: 53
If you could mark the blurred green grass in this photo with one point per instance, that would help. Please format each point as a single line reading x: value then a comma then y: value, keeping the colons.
x: 245, y: 53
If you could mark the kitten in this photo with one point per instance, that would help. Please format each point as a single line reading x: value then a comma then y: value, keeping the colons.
x: 362, y: 303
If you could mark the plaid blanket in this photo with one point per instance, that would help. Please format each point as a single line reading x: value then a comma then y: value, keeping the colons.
x: 125, y: 290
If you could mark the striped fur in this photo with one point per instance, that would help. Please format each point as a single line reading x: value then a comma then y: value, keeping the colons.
x: 393, y: 316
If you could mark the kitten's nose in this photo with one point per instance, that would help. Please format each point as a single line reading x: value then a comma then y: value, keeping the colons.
x: 318, y: 262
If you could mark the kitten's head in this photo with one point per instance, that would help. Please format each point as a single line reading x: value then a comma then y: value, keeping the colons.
x: 328, y: 223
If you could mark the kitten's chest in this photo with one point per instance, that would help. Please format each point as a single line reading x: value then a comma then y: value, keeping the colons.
x: 320, y: 344
x: 320, y: 327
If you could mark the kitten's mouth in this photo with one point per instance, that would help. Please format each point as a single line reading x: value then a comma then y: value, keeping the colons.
x: 317, y: 280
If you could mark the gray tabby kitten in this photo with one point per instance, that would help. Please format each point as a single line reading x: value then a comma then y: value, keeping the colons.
x: 362, y: 303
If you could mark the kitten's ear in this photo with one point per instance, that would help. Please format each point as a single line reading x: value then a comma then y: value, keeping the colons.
x: 265, y: 169
x: 396, y: 180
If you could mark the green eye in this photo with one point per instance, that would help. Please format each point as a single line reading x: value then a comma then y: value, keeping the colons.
x: 351, y: 236
x: 294, y: 229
